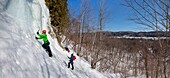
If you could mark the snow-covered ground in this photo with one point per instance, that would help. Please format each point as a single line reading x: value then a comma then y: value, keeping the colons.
x: 147, y: 38
x: 21, y: 55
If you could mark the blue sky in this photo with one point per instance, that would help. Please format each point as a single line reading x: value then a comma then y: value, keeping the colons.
x: 118, y: 15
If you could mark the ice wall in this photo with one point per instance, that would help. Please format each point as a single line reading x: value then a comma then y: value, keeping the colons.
x: 32, y: 14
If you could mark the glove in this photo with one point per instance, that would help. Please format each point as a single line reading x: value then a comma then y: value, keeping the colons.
x: 37, y: 32
x: 36, y: 37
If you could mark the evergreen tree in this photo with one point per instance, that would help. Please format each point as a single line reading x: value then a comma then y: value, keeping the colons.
x: 59, y: 15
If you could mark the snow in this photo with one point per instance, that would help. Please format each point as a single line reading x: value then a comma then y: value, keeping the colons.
x: 21, y: 55
x: 147, y: 38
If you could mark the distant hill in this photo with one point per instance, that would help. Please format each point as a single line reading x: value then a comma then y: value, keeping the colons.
x: 135, y: 34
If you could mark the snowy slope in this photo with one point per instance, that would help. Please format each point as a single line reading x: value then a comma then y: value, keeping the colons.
x: 21, y: 55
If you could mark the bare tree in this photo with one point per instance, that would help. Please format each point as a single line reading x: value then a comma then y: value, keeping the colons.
x: 98, y: 37
x: 155, y: 15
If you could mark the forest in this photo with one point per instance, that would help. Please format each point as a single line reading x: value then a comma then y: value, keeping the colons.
x: 130, y: 57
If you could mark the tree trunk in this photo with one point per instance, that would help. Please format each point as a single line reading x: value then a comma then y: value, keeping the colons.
x: 146, y: 67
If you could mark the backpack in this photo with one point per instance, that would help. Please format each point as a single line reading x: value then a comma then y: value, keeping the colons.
x: 74, y: 57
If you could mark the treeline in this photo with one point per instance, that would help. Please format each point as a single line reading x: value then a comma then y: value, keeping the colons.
x: 137, y: 34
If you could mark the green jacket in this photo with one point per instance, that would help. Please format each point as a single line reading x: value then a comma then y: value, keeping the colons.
x: 44, y: 37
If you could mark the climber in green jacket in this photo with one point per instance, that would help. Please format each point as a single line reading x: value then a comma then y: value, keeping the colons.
x: 46, y: 42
